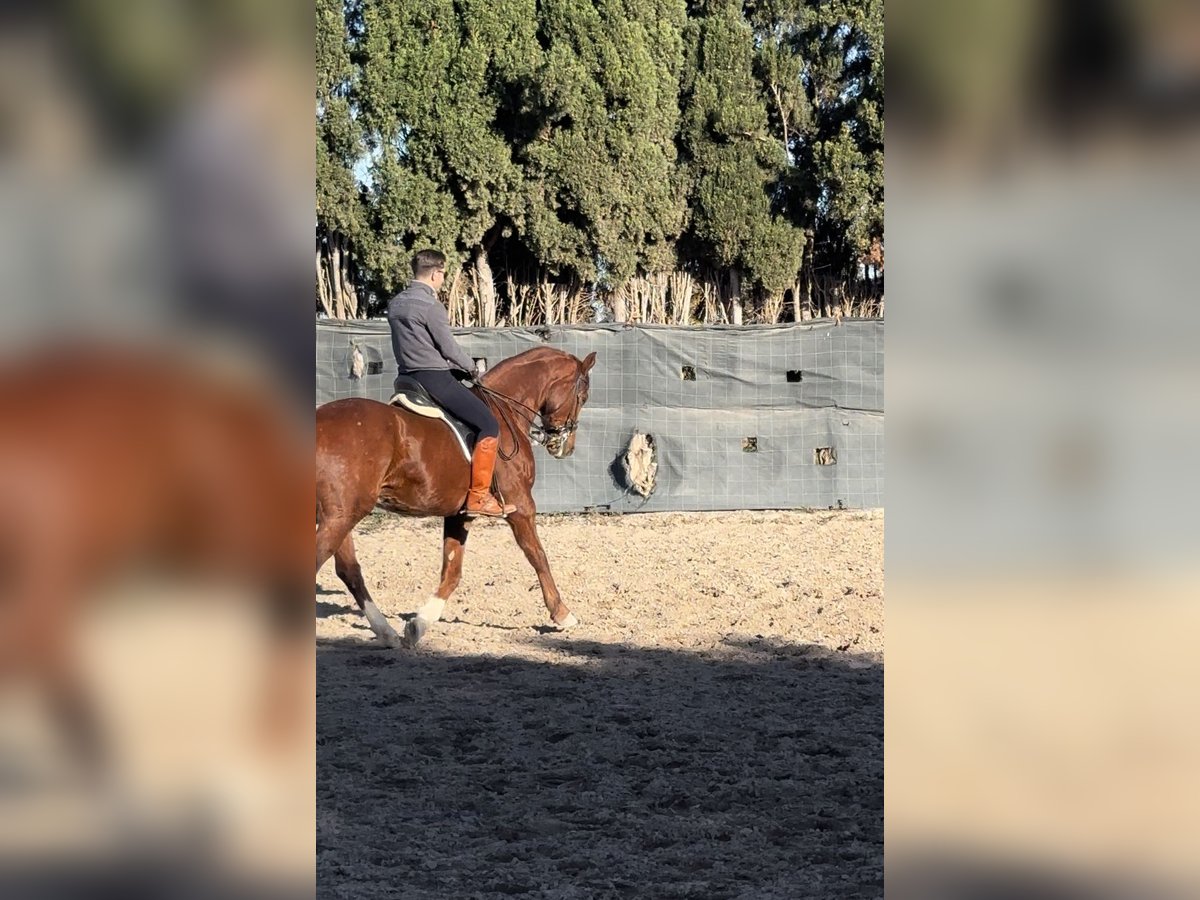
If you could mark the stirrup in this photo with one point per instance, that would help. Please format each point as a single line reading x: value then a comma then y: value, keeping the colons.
x: 503, y: 509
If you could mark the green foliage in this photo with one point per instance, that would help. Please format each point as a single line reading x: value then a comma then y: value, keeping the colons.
x: 600, y: 164
x: 821, y: 67
x: 434, y: 76
x: 601, y: 139
x: 340, y: 208
x: 732, y: 161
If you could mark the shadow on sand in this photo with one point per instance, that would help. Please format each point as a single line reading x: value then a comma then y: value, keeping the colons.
x: 616, y: 771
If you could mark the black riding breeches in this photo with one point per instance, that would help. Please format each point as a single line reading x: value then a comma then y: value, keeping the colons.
x: 457, y: 400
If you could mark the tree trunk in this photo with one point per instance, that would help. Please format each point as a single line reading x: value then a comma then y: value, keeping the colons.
x: 662, y: 287
x: 549, y: 312
x: 735, y: 296
x: 348, y: 284
x: 772, y: 307
x: 714, y: 305
x: 456, y: 307
x: 339, y: 273
x: 323, y: 285
x: 346, y: 299
x: 339, y: 289
x: 332, y: 264
x: 806, y: 278
x: 618, y: 296
x: 485, y: 290
x: 783, y: 120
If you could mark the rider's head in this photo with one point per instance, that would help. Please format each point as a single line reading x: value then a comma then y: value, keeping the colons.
x: 429, y: 266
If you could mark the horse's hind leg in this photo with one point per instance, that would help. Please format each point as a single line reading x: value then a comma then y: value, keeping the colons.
x: 331, y: 531
x: 454, y: 540
x: 347, y: 568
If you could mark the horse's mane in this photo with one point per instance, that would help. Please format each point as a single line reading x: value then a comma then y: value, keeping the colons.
x: 508, y: 367
x: 536, y: 354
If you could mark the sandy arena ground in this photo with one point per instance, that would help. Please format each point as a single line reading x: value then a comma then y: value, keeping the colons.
x: 713, y: 728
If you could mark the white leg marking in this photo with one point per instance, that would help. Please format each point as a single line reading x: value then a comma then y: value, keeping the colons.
x: 380, y: 625
x: 569, y: 622
x: 415, y: 628
x: 432, y: 610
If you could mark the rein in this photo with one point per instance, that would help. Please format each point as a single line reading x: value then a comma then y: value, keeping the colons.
x: 539, y: 434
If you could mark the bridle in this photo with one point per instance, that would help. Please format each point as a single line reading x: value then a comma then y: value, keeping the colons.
x: 540, y: 432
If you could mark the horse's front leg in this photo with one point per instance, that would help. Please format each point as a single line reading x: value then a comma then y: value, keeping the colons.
x: 525, y: 531
x: 454, y: 541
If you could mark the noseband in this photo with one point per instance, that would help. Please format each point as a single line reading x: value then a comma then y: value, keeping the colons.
x: 545, y: 433
x: 540, y: 430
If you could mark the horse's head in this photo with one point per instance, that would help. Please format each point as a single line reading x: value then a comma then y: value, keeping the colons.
x: 562, y: 406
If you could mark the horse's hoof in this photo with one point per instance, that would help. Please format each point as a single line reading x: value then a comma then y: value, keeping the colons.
x: 566, y: 624
x: 391, y: 641
x: 414, y: 630
x: 380, y: 625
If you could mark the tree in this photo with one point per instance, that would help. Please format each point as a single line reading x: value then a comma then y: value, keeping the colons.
x: 435, y: 76
x: 602, y: 200
x: 341, y: 211
x: 645, y: 148
x: 732, y: 165
x: 821, y: 66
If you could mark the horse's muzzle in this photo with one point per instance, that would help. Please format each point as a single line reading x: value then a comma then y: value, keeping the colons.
x: 557, y: 441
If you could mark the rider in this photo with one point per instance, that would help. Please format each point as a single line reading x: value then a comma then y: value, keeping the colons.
x: 427, y: 352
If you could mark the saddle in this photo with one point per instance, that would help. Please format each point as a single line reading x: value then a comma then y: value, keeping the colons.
x: 411, y: 396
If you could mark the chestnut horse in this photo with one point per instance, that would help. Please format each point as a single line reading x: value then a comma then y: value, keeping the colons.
x: 370, y: 453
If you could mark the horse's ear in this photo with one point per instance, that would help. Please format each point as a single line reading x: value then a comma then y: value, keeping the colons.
x: 589, y: 361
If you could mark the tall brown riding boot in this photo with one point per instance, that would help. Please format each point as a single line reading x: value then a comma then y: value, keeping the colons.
x: 480, y: 501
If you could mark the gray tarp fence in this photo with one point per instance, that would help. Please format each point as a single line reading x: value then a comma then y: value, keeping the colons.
x: 702, y: 392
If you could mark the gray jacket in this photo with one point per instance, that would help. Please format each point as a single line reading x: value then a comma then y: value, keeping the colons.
x: 421, y: 337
